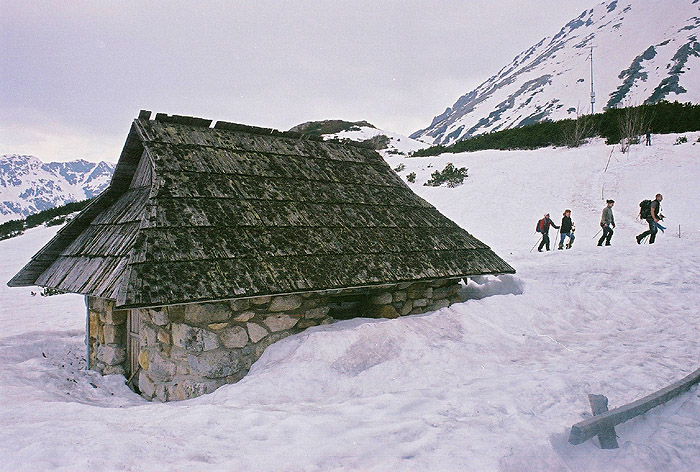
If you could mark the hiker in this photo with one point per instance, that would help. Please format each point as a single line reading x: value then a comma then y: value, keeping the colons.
x: 607, y: 222
x: 543, y: 227
x: 567, y: 229
x: 653, y: 219
x: 648, y: 137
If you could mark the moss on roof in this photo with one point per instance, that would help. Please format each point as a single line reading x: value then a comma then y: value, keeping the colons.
x: 235, y: 211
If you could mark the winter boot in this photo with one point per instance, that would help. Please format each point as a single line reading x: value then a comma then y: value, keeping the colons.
x: 639, y: 239
x: 568, y: 245
x: 560, y: 247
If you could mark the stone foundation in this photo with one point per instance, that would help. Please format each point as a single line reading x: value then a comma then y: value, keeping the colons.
x: 190, y: 350
x: 106, y: 336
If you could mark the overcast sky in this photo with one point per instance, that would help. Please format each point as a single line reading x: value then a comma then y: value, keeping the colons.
x: 73, y: 75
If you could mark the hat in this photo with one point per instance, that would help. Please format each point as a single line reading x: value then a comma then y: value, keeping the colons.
x: 610, y: 201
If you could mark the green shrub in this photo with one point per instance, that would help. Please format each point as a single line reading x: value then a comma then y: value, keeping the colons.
x: 10, y: 229
x: 43, y: 216
x: 411, y: 177
x: 49, y: 292
x: 400, y: 167
x: 450, y: 175
x: 59, y: 220
x: 50, y: 217
x: 680, y: 140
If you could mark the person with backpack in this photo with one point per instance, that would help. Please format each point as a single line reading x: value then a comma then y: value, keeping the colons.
x: 567, y: 229
x: 543, y: 227
x: 607, y: 222
x: 650, y: 210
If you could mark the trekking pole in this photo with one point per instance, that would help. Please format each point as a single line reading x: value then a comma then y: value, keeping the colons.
x: 538, y: 241
x: 596, y: 235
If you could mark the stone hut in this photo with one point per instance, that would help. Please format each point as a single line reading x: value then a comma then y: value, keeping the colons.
x: 213, y: 242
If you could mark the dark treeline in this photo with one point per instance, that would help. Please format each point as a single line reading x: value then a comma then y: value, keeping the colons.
x: 659, y: 118
x: 50, y: 217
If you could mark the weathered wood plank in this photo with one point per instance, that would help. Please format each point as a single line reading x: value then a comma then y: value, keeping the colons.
x: 607, y: 437
x: 585, y: 430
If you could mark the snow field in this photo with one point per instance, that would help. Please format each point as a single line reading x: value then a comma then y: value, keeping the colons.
x: 493, y: 383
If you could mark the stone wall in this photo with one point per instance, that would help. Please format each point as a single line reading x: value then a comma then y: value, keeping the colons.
x: 190, y: 350
x: 106, y: 336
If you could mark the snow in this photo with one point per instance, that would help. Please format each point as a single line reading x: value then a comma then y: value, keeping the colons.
x: 617, y: 36
x: 398, y: 144
x: 493, y: 383
x: 28, y: 185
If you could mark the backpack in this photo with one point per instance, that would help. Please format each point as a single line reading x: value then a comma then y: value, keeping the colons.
x: 541, y: 225
x: 645, y: 209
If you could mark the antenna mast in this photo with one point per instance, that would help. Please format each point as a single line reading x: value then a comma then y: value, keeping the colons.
x: 592, y: 92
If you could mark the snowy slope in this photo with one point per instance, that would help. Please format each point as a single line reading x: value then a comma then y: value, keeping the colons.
x: 644, y: 51
x: 28, y: 185
x: 491, y: 384
x: 397, y: 145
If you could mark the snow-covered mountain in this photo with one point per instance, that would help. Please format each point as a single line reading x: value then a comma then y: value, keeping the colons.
x: 28, y: 185
x: 644, y: 51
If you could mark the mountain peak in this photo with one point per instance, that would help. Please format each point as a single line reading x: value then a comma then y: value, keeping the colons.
x: 639, y: 56
x: 28, y: 185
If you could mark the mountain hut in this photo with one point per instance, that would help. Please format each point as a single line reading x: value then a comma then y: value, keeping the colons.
x: 213, y: 242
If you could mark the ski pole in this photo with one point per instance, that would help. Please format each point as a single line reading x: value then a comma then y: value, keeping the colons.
x: 601, y: 229
x: 538, y: 241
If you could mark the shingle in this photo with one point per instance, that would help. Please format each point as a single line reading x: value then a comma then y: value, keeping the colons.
x: 233, y: 211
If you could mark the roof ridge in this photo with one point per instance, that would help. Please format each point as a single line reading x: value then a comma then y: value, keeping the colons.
x: 229, y: 126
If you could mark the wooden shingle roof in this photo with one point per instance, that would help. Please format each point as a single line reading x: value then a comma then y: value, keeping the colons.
x: 201, y: 213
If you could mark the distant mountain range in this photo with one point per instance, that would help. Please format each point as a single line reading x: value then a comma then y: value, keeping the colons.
x: 643, y: 51
x: 28, y: 185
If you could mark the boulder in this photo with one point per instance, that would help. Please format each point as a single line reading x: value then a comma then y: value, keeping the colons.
x: 233, y: 337
x: 244, y: 316
x: 159, y: 316
x: 255, y: 332
x: 386, y: 311
x: 160, y: 368
x: 280, y: 322
x: 383, y: 298
x: 205, y: 313
x: 111, y: 355
x: 215, y: 364
x: 286, y: 303
x: 193, y: 339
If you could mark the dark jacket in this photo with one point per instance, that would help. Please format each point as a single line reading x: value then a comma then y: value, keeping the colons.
x: 566, y: 225
x: 547, y: 223
x: 655, y: 210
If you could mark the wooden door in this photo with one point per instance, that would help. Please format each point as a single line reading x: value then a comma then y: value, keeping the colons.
x: 133, y: 343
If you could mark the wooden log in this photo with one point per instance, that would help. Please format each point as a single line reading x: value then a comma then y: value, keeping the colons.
x: 607, y: 437
x: 585, y: 430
